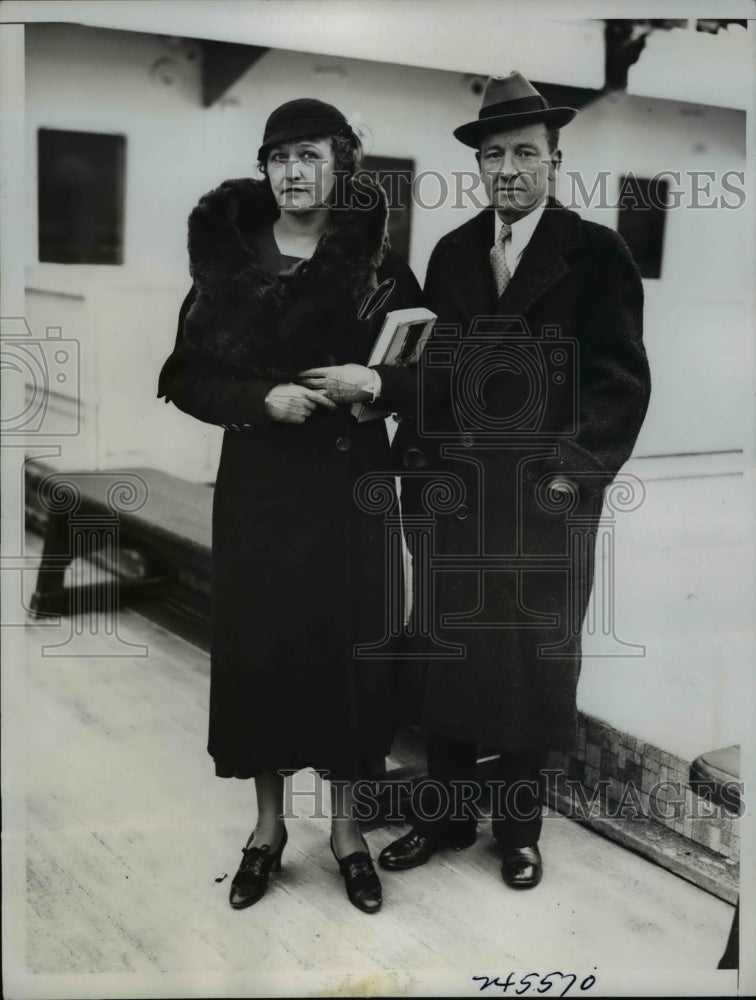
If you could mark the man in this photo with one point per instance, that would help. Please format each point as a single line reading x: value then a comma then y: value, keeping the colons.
x: 539, y: 337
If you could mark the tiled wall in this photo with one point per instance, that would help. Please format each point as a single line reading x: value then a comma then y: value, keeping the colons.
x: 604, y: 754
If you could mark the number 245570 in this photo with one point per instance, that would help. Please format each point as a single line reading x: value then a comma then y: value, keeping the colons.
x: 534, y: 980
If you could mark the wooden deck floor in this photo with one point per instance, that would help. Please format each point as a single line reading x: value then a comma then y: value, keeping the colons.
x: 127, y: 833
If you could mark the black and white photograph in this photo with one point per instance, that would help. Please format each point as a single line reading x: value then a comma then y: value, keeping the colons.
x: 378, y: 484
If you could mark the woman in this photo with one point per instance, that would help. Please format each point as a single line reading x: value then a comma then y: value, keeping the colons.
x: 292, y: 279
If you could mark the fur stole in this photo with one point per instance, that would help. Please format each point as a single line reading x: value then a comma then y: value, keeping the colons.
x: 267, y: 325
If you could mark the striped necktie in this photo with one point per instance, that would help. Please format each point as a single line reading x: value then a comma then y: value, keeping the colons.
x: 498, y: 258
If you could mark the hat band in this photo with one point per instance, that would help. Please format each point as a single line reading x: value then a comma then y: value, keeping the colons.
x: 521, y: 105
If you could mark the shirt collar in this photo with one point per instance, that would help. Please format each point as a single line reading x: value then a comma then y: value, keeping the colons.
x: 522, y: 230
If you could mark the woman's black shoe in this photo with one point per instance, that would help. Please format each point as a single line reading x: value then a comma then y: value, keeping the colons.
x: 363, y: 887
x: 251, y: 880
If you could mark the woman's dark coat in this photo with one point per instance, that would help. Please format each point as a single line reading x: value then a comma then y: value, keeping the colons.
x: 297, y: 567
x: 550, y: 378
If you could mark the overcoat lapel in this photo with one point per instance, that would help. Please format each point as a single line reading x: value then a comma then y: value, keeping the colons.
x: 469, y: 276
x: 544, y: 263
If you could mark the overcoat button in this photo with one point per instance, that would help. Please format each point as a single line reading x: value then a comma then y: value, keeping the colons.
x: 467, y: 440
x: 343, y: 444
x: 462, y: 512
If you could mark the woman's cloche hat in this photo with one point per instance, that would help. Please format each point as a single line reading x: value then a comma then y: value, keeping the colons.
x: 509, y: 102
x: 303, y: 117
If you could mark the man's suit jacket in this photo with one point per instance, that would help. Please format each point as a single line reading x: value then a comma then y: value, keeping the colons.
x: 550, y: 378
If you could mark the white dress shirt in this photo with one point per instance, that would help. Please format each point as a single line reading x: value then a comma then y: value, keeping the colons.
x: 522, y: 231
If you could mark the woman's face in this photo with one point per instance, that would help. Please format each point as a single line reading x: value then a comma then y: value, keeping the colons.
x: 301, y: 174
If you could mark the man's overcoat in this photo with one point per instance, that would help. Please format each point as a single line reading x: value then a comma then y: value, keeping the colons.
x: 550, y: 378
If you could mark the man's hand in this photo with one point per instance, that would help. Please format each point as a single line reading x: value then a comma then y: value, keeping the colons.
x: 341, y: 383
x: 293, y: 404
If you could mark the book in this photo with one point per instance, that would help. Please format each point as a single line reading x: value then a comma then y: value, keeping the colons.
x: 401, y: 341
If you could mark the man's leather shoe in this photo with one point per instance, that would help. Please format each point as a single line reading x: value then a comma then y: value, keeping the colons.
x: 522, y: 867
x: 419, y: 845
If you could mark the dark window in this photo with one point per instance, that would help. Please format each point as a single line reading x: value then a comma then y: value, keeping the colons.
x: 396, y: 177
x: 81, y: 190
x: 642, y: 208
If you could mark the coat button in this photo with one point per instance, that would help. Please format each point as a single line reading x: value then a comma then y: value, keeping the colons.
x: 467, y: 441
x: 343, y: 444
x: 414, y: 458
x: 462, y: 511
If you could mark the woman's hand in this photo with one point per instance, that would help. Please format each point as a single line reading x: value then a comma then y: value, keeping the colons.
x: 293, y: 404
x: 341, y: 383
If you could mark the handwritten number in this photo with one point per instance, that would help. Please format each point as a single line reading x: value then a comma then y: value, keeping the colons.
x: 486, y: 981
x: 525, y: 982
x: 495, y: 982
x: 569, y: 975
x: 526, y: 985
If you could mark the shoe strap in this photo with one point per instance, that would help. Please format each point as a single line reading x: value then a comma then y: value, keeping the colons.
x: 358, y: 864
x: 255, y: 859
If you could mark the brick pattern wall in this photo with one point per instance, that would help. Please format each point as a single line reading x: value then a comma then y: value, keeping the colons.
x: 639, y: 777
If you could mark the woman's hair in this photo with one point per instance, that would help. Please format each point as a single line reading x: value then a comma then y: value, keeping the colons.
x: 346, y: 146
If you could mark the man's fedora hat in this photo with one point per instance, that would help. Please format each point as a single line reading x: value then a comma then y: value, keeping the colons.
x: 509, y: 102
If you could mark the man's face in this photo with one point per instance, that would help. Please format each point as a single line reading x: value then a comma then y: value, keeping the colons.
x: 516, y: 167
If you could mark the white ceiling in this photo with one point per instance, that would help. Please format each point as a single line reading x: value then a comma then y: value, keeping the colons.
x: 547, y: 40
x: 475, y: 36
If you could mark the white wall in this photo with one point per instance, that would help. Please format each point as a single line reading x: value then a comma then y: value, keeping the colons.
x: 684, y: 593
x: 697, y: 326
x: 684, y: 586
x: 94, y: 79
